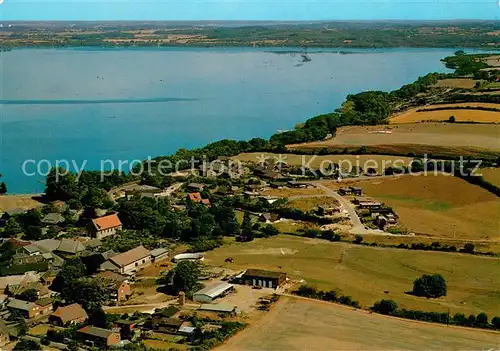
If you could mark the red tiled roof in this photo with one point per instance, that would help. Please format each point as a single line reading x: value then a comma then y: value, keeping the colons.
x: 107, y: 222
x: 196, y: 197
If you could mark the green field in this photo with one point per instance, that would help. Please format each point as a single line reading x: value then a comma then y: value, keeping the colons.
x: 366, y: 273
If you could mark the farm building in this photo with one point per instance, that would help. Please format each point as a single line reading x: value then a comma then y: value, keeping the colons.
x: 368, y: 203
x: 158, y: 254
x: 269, y: 217
x: 116, y: 285
x: 128, y: 262
x: 295, y: 184
x: 263, y: 278
x: 98, y: 336
x: 197, y: 199
x: 104, y: 226
x: 30, y: 309
x: 211, y: 292
x: 66, y: 315
x: 352, y: 190
x: 220, y: 309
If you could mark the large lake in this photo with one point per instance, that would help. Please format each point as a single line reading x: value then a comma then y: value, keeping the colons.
x: 126, y: 104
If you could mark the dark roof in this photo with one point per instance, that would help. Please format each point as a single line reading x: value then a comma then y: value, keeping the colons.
x: 94, y: 331
x: 44, y: 302
x: 171, y: 322
x: 262, y: 273
x: 168, y: 311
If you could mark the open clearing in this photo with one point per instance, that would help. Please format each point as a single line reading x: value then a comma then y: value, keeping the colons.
x: 421, y: 114
x: 491, y: 175
x: 394, y: 137
x: 439, y: 205
x: 289, y: 192
x: 25, y: 202
x: 379, y: 162
x: 299, y: 324
x: 456, y: 83
x: 365, y: 273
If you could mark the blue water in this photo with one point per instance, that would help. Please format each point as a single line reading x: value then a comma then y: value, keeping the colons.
x: 126, y: 104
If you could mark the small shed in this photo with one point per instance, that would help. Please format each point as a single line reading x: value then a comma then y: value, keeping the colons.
x: 220, y: 309
x: 158, y: 254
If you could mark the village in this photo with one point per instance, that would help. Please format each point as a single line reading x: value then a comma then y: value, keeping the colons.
x: 139, y: 302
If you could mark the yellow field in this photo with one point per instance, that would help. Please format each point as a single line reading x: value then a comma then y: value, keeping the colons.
x: 413, y: 115
x: 456, y: 83
x: 366, y: 273
x: 460, y: 137
x: 439, y: 205
x: 289, y: 192
x: 346, y: 162
x: 10, y: 202
x: 491, y: 175
x: 299, y: 324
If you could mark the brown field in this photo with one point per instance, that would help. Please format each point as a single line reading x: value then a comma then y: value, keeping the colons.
x: 439, y: 205
x: 10, y: 202
x: 456, y: 83
x: 413, y: 115
x: 460, y: 137
x: 366, y: 273
x: 379, y: 162
x: 491, y: 175
x: 300, y: 324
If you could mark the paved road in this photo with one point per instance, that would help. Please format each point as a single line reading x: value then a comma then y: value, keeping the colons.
x: 358, y: 227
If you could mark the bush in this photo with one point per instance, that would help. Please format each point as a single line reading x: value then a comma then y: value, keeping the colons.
x: 482, y: 319
x: 430, y: 286
x: 496, y: 322
x: 388, y: 307
x: 468, y: 248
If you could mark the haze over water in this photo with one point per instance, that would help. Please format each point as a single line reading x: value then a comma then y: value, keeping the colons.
x: 126, y: 104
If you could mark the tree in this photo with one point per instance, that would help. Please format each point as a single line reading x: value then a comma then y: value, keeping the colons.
x: 430, y: 286
x: 3, y: 188
x: 482, y: 319
x: 185, y: 276
x: 468, y: 248
x: 71, y: 271
x: 27, y: 345
x: 29, y: 295
x: 12, y: 227
x: 96, y: 198
x: 388, y: 307
x: 97, y: 318
x: 61, y: 185
x: 358, y: 239
x: 88, y: 292
x: 269, y: 230
x: 451, y: 119
x: 496, y: 322
x: 246, y: 227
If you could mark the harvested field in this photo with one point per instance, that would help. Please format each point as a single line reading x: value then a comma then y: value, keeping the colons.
x: 421, y: 114
x: 366, y: 273
x: 163, y: 345
x: 25, y: 202
x: 300, y: 324
x: 459, y: 137
x: 439, y: 205
x: 292, y: 227
x: 491, y: 175
x: 289, y: 192
x: 311, y: 203
x: 456, y: 83
x: 346, y: 162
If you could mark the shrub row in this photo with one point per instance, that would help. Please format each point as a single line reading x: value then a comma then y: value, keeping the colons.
x: 330, y: 296
x: 390, y: 307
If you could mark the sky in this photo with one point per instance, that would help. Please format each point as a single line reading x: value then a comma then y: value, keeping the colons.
x: 293, y: 10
